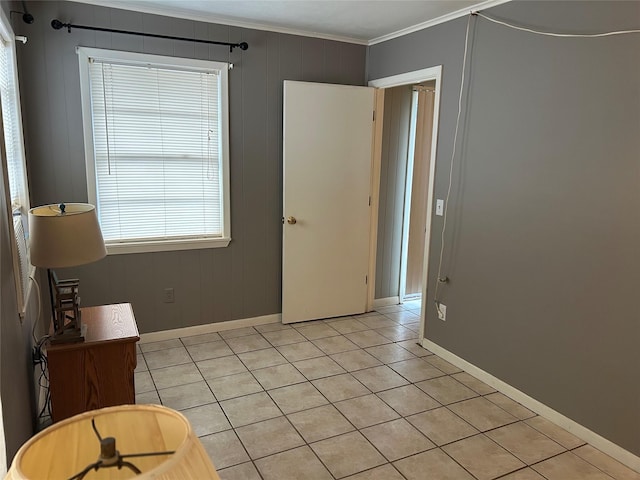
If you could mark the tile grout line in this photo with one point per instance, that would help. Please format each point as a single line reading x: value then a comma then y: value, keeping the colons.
x: 587, y: 461
x: 329, y: 403
x: 312, y: 341
x: 279, y: 409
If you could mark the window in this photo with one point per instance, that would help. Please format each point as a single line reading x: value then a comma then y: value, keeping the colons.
x: 13, y: 163
x: 156, y: 140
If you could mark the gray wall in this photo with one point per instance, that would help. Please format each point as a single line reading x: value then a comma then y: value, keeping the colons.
x: 393, y: 174
x: 243, y: 280
x: 16, y: 371
x: 543, y: 244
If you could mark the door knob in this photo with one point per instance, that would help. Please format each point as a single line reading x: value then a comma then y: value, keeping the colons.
x: 291, y: 220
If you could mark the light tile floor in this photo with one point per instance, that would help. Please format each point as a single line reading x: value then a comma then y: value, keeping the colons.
x: 353, y: 397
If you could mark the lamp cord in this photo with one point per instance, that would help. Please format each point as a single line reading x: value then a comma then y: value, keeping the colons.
x: 37, y: 319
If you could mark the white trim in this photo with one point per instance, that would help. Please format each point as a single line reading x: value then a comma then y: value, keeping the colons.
x: 87, y: 123
x: 385, y: 302
x: 411, y: 296
x: 599, y: 442
x: 136, y: 58
x: 463, y: 12
x: 408, y: 190
x: 225, y: 178
x: 8, y: 35
x: 374, y: 199
x: 145, y: 7
x: 22, y: 297
x: 85, y: 56
x: 430, y: 195
x: 417, y: 76
x: 165, y: 245
x: 209, y: 328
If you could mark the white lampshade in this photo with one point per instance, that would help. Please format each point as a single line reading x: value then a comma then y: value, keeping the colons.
x: 67, y: 447
x: 65, y: 239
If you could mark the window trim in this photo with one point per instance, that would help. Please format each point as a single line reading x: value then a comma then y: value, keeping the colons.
x: 124, y: 247
x: 23, y: 285
x: 7, y: 35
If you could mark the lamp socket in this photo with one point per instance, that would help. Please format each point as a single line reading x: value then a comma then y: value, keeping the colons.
x: 169, y: 295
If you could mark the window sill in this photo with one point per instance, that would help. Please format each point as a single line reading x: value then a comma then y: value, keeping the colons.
x: 166, y: 245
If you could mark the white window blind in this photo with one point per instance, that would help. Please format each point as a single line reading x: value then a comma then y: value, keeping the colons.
x: 12, y: 131
x: 14, y: 166
x: 159, y: 135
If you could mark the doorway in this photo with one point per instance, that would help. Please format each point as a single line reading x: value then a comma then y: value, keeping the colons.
x: 402, y: 243
x: 416, y: 188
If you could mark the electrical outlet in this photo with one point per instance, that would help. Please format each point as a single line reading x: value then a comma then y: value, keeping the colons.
x: 169, y: 296
x: 442, y: 312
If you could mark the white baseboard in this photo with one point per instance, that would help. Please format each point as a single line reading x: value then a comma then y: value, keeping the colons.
x: 599, y: 442
x: 385, y: 302
x: 209, y: 328
x: 411, y: 297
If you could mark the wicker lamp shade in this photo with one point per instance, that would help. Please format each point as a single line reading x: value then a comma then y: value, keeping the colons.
x: 68, y: 447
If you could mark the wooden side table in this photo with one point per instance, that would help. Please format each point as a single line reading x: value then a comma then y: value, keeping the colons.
x: 98, y: 372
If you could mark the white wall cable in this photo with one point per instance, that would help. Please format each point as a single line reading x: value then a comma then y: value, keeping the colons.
x: 453, y: 154
x: 37, y: 319
x: 445, y: 279
x: 555, y: 34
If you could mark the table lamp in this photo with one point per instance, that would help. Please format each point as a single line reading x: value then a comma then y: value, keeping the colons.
x: 65, y: 235
x: 153, y: 442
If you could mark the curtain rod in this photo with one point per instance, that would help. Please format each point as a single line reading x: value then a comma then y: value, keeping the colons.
x: 57, y: 25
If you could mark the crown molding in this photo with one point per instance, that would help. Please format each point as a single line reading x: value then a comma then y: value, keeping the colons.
x: 208, y: 18
x: 234, y: 22
x: 437, y: 21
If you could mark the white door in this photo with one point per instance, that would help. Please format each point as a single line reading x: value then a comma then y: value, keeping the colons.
x: 327, y: 176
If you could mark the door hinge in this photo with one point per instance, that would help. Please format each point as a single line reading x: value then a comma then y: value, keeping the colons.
x: 366, y: 279
x: 374, y: 115
x: 369, y: 200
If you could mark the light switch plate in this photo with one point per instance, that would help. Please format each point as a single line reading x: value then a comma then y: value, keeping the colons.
x: 439, y: 207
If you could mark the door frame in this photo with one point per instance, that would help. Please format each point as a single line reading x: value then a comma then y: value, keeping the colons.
x: 408, y: 190
x: 374, y: 199
x: 417, y: 76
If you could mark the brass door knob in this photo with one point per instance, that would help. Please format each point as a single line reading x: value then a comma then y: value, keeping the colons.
x: 291, y: 220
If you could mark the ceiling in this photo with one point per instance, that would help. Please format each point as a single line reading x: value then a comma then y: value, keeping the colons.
x: 356, y: 21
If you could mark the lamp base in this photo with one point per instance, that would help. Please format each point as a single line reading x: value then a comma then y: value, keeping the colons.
x: 72, y: 332
x: 65, y: 305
